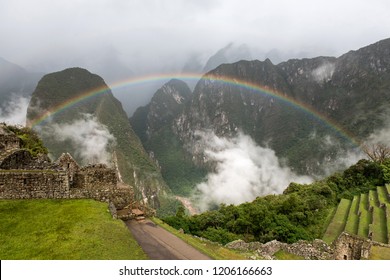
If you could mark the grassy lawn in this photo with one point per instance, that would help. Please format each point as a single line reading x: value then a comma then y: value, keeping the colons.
x: 380, y: 253
x: 338, y: 222
x: 353, y: 219
x: 365, y: 216
x: 213, y: 250
x: 382, y: 195
x: 379, y: 227
x: 373, y: 198
x: 63, y: 229
x: 388, y: 223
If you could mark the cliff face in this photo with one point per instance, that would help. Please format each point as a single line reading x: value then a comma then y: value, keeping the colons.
x: 155, y: 125
x: 96, y: 126
x: 349, y: 93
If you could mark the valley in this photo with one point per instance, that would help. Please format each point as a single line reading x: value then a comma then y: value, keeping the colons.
x: 254, y: 151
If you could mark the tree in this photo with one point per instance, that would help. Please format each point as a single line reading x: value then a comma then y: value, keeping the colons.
x: 377, y: 152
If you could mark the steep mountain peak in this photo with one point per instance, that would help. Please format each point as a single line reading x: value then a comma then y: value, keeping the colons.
x: 174, y: 89
x: 93, y: 126
x: 165, y: 105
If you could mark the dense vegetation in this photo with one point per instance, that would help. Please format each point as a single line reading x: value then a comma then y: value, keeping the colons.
x: 29, y: 140
x: 301, y: 212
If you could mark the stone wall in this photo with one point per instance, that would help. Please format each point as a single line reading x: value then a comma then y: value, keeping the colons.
x: 26, y: 184
x: 314, y: 250
x: 96, y: 176
x: 34, y: 184
x: 23, y: 176
x: 350, y: 247
x: 8, y: 140
x: 19, y: 159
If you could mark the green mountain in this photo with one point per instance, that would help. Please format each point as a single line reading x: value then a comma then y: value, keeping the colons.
x: 95, y: 125
x: 154, y: 124
x: 319, y: 109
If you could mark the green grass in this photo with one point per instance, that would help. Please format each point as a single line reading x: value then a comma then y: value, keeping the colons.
x: 63, y: 229
x: 283, y: 255
x: 373, y: 198
x: 337, y: 224
x: 382, y: 195
x: 388, y: 222
x: 211, y: 249
x: 379, y: 253
x: 379, y: 228
x: 353, y: 218
x: 388, y: 188
x: 365, y: 216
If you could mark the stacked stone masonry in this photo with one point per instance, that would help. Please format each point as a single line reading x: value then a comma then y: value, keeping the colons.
x: 25, y: 177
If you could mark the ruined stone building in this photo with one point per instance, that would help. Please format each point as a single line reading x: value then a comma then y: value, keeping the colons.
x: 23, y: 176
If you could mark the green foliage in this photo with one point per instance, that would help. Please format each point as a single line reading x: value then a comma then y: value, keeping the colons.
x: 168, y: 206
x: 63, y: 230
x: 301, y: 212
x: 359, y: 178
x: 177, y: 169
x: 220, y: 235
x: 29, y: 140
x: 386, y: 171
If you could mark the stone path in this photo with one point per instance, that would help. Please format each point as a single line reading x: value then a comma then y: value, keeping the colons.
x: 160, y: 244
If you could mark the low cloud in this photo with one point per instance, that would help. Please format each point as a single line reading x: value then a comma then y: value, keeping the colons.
x: 380, y: 136
x: 324, y: 72
x: 90, y: 139
x: 243, y: 171
x: 14, y: 111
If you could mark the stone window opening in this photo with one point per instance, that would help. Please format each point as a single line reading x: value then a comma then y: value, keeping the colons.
x: 345, y: 257
x: 24, y: 181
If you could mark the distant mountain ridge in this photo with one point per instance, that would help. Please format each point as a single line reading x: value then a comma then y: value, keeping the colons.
x: 15, y: 80
x: 352, y: 90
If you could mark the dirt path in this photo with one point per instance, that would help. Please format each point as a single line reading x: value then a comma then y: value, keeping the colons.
x: 160, y: 244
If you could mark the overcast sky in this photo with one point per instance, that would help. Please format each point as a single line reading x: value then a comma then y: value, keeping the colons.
x: 152, y: 35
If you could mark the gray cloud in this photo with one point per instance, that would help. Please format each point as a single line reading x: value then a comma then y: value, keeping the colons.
x: 148, y: 37
x: 155, y: 35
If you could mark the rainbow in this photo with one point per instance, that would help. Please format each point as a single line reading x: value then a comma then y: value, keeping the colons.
x: 190, y: 76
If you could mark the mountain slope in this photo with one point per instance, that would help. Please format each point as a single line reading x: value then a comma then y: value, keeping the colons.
x: 99, y: 121
x: 154, y: 125
x: 311, y: 112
